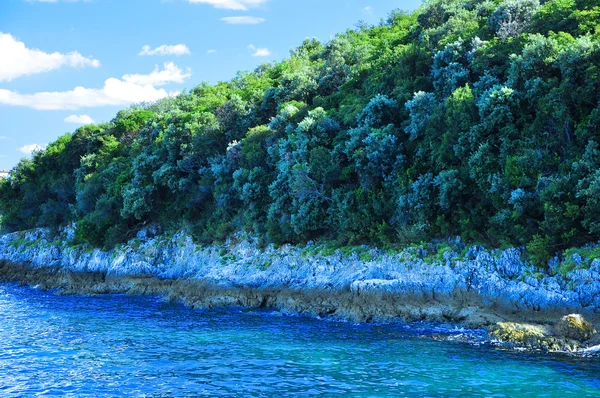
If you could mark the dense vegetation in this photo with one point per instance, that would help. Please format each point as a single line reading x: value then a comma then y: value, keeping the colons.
x: 472, y: 118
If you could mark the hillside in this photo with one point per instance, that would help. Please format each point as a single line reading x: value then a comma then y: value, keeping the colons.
x: 478, y: 119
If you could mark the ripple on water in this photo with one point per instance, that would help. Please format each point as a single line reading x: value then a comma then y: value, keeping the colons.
x: 114, y: 345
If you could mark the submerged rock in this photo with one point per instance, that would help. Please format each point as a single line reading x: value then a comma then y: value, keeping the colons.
x: 574, y: 327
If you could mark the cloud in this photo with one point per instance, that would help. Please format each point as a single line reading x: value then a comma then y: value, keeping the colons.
x: 241, y: 5
x: 171, y: 74
x: 368, y: 10
x: 245, y: 20
x: 29, y: 149
x: 18, y: 60
x: 178, y: 49
x: 116, y: 92
x: 212, y: 51
x: 259, y: 52
x: 79, y: 119
x: 3, y: 137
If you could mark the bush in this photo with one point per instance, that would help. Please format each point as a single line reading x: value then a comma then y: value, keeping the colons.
x: 540, y: 251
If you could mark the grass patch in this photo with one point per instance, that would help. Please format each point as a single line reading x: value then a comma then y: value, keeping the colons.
x: 578, y: 258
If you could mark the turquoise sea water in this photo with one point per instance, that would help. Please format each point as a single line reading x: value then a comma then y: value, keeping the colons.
x: 141, y: 346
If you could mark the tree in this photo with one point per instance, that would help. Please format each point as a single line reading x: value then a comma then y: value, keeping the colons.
x: 470, y: 118
x: 513, y: 17
x: 421, y: 108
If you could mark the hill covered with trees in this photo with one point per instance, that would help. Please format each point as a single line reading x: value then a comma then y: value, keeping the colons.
x: 470, y: 118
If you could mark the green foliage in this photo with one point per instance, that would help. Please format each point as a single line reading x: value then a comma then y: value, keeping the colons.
x: 540, y: 250
x: 130, y: 122
x: 470, y: 118
x: 578, y: 258
x: 513, y: 17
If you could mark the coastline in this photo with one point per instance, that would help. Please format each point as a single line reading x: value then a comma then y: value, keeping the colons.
x: 483, y: 290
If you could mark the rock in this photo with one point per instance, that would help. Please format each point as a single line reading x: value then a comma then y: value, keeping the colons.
x: 594, y: 340
x: 482, y: 289
x: 574, y: 327
x: 535, y: 337
x: 521, y: 334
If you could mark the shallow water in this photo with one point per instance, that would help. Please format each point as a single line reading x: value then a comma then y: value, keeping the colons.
x: 141, y: 346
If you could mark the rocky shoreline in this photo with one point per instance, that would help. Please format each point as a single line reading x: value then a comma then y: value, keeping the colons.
x: 382, y: 288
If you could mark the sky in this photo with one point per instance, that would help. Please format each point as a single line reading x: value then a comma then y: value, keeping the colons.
x: 66, y: 63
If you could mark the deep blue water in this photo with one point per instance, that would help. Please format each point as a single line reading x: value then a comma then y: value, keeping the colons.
x: 141, y: 346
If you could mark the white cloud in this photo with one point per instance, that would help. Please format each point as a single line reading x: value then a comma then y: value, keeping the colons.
x: 212, y: 51
x: 245, y: 20
x: 18, y: 60
x: 171, y: 74
x: 231, y: 4
x: 3, y: 137
x: 28, y: 149
x: 79, y: 119
x: 259, y: 52
x: 368, y: 10
x: 116, y: 92
x: 177, y: 49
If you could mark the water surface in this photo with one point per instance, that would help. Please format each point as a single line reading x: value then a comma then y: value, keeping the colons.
x: 141, y: 346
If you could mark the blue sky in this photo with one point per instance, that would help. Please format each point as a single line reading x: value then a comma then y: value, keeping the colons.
x: 122, y: 51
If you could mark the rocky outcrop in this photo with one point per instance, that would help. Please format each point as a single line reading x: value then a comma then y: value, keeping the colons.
x: 576, y: 327
x: 337, y: 303
x: 476, y: 288
x: 572, y: 333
